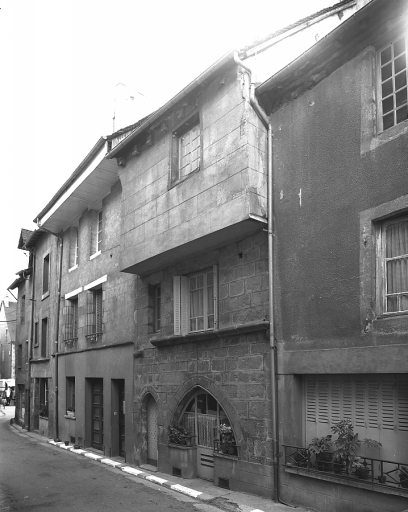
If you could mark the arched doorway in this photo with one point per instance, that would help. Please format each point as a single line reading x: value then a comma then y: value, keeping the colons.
x: 203, y: 416
x: 152, y: 412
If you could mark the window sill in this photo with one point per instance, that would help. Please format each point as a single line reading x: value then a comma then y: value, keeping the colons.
x: 94, y: 255
x: 45, y: 295
x: 349, y: 481
x: 208, y: 335
x: 73, y: 268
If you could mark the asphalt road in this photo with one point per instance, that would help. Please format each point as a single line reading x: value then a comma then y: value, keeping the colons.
x: 35, y: 476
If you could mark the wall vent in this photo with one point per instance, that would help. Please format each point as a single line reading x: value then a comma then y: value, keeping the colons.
x: 176, y: 471
x: 223, y: 483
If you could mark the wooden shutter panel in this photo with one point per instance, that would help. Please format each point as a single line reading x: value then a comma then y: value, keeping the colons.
x: 311, y: 400
x: 215, y: 287
x: 372, y: 389
x: 323, y: 401
x: 184, y: 305
x: 176, y: 304
x: 360, y: 404
x: 68, y: 315
x: 90, y: 313
x: 387, y: 405
x: 402, y: 404
x: 98, y: 310
x: 334, y: 401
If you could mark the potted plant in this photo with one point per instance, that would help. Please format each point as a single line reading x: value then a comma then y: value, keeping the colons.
x: 227, y: 439
x: 301, y: 458
x: 177, y: 434
x: 361, y: 469
x: 71, y: 412
x: 403, y: 477
x: 320, y: 447
x: 347, y: 443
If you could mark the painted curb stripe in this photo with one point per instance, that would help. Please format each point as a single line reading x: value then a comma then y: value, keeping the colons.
x: 157, y: 479
x: 110, y: 462
x: 186, y: 490
x: 93, y: 456
x: 132, y: 471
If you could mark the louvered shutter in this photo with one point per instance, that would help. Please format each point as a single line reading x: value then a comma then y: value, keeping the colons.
x: 68, y: 317
x: 90, y: 313
x: 98, y: 310
x: 402, y: 403
x: 215, y: 285
x: 176, y: 304
x: 184, y: 305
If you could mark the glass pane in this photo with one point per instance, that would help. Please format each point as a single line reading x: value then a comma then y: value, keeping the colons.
x: 392, y: 304
x: 397, y: 276
x: 399, y: 46
x: 200, y: 323
x: 210, y: 321
x: 386, y: 72
x: 387, y: 88
x: 386, y: 55
x: 400, y: 80
x: 388, y: 121
x: 202, y: 403
x: 401, y: 97
x: 212, y: 404
x: 191, y: 406
x: 402, y: 114
x: 400, y: 64
x: 388, y: 104
x: 404, y: 303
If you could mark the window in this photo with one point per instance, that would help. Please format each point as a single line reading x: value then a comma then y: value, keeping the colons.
x: 392, y: 265
x: 46, y: 274
x: 196, y: 302
x: 36, y: 334
x: 44, y: 337
x: 22, y: 310
x: 94, y: 314
x: 393, y: 84
x: 71, y: 320
x: 376, y: 404
x: 186, y: 149
x: 99, y: 232
x: 73, y: 250
x: 157, y: 308
x: 19, y: 356
x: 70, y: 399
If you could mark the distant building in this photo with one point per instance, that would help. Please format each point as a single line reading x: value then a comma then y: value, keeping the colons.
x: 7, y: 338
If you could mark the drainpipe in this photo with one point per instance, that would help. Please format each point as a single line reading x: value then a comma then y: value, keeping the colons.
x: 275, y: 437
x: 56, y: 343
x: 30, y: 348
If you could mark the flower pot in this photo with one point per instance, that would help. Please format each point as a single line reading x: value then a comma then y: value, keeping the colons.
x: 324, y: 461
x: 362, y: 473
x: 66, y: 443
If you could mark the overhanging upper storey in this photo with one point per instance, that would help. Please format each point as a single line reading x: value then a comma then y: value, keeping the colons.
x: 89, y: 183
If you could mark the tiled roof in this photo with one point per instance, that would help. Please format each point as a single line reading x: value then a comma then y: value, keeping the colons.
x: 129, y: 128
x: 25, y: 235
x: 273, y: 35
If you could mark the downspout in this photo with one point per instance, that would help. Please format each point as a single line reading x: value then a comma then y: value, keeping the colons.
x: 275, y: 435
x: 56, y: 343
x: 30, y: 348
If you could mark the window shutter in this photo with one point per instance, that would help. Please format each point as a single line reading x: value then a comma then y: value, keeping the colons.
x: 176, y: 304
x: 311, y: 401
x: 90, y: 313
x: 215, y: 286
x: 184, y: 305
x: 372, y: 404
x: 323, y: 401
x: 335, y: 401
x: 98, y: 310
x: 347, y: 399
x: 360, y: 404
x: 387, y: 405
x: 402, y: 404
x: 67, y: 313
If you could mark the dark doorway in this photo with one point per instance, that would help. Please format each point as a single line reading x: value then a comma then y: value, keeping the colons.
x: 97, y: 414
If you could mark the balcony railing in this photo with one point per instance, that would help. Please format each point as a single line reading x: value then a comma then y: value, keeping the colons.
x: 378, y: 472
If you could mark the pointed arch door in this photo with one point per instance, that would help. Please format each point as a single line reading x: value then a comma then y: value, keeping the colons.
x: 203, y: 416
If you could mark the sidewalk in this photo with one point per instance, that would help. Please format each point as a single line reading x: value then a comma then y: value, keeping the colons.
x: 197, y: 488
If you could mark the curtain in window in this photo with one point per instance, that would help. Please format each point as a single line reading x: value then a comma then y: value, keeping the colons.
x: 197, y: 303
x: 397, y: 266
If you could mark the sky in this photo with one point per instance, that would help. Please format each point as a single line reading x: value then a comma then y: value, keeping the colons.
x: 60, y: 63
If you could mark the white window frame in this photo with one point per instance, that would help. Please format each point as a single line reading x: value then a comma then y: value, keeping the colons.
x: 395, y: 92
x: 99, y: 228
x: 381, y: 267
x: 181, y: 302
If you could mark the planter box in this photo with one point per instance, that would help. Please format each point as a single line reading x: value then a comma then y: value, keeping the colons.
x: 183, y: 458
x: 43, y: 426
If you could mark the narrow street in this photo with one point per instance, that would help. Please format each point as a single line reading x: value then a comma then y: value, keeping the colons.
x: 37, y: 476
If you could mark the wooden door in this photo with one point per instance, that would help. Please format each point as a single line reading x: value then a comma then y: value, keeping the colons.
x: 97, y: 414
x: 122, y: 419
x: 152, y: 432
x: 206, y: 427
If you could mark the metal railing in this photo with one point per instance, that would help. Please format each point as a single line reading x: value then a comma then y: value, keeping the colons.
x: 382, y: 473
